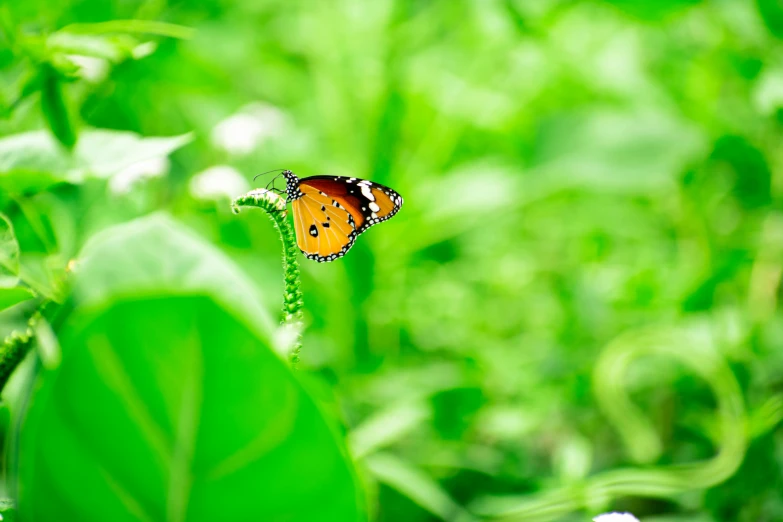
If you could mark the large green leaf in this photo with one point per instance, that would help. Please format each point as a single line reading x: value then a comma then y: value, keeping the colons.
x: 170, y: 408
x: 155, y: 254
x: 33, y: 160
x: 169, y: 403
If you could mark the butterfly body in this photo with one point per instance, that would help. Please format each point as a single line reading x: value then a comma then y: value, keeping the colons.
x: 331, y: 211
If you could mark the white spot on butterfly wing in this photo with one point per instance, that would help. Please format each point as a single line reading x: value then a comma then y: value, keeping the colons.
x: 374, y: 206
x: 367, y: 191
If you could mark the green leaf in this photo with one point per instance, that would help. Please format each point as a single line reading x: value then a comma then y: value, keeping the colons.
x: 32, y: 161
x: 417, y: 486
x: 131, y: 26
x: 387, y: 426
x: 609, y: 150
x: 32, y: 154
x: 28, y: 84
x: 48, y: 347
x: 9, y: 254
x: 55, y: 107
x: 168, y: 403
x: 173, y: 408
x: 7, y: 508
x: 155, y: 253
x: 13, y: 296
x: 98, y: 46
x: 746, y: 164
x: 45, y: 274
x: 653, y: 10
x: 8, y: 511
x: 771, y: 12
x: 106, y: 152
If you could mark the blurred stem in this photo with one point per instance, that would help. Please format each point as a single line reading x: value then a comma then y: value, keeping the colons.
x: 54, y: 106
x: 638, y: 434
x: 16, y: 346
x: 132, y: 26
x: 7, y: 26
x: 274, y: 206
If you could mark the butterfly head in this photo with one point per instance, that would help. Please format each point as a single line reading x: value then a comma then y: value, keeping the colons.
x: 292, y: 190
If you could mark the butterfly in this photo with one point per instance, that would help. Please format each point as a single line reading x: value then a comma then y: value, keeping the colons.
x: 331, y: 211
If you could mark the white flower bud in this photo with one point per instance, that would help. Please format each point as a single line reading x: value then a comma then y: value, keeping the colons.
x: 616, y: 517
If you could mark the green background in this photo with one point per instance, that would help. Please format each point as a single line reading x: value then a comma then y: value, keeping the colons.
x: 576, y: 310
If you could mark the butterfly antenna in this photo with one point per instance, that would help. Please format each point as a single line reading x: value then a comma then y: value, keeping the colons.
x: 272, y: 183
x: 267, y: 172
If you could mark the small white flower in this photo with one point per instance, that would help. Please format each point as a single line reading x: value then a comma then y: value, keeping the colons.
x: 242, y: 132
x: 143, y: 50
x: 285, y: 337
x: 270, y: 197
x: 218, y: 182
x: 92, y: 69
x: 121, y: 182
x: 616, y: 517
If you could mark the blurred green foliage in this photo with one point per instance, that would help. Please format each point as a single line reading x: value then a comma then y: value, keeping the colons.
x: 577, y: 309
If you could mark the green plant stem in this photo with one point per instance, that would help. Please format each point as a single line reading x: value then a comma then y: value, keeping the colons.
x: 638, y: 435
x: 16, y: 346
x: 275, y: 207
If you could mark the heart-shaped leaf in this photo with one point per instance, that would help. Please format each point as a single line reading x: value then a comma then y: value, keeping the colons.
x: 169, y: 404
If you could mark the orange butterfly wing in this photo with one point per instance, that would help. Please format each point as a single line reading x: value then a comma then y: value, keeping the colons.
x: 330, y: 212
x: 369, y: 203
x: 324, y: 229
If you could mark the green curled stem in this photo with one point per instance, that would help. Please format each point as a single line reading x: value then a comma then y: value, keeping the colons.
x: 275, y: 208
x: 639, y: 435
